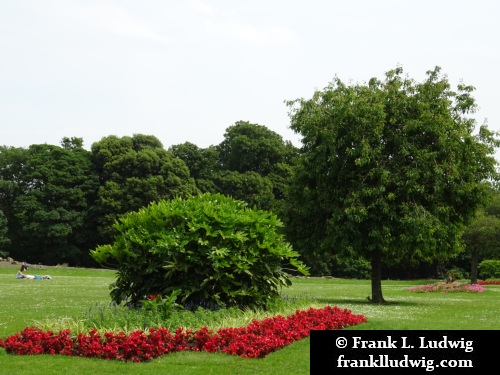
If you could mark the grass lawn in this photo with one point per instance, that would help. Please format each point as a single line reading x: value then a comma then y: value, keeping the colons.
x: 72, y: 291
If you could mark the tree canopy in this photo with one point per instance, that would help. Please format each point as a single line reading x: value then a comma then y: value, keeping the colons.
x: 253, y: 148
x: 45, y: 193
x: 390, y: 170
x: 252, y: 164
x: 134, y: 171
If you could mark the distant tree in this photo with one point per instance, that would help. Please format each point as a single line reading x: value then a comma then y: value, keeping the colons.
x: 71, y: 143
x: 482, y: 235
x: 391, y: 170
x: 203, y: 164
x: 492, y: 208
x: 12, y: 160
x: 254, y: 148
x: 4, y: 239
x: 49, y: 191
x: 134, y: 171
x: 252, y: 164
x: 249, y: 187
x: 482, y: 241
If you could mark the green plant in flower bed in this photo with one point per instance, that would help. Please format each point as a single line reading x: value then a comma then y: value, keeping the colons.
x: 444, y: 287
x: 163, y: 312
x: 161, y: 305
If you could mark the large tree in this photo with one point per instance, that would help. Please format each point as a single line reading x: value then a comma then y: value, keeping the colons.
x: 46, y: 193
x: 203, y: 164
x: 256, y: 165
x: 250, y: 187
x: 12, y: 160
x: 251, y: 147
x: 252, y: 163
x: 390, y: 170
x: 133, y: 172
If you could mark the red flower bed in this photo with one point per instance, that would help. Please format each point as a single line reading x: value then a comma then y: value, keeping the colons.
x: 256, y: 340
x: 489, y: 282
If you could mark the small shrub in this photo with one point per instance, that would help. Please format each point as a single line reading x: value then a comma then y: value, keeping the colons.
x: 456, y: 274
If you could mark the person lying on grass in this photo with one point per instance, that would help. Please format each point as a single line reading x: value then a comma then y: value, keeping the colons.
x: 21, y: 275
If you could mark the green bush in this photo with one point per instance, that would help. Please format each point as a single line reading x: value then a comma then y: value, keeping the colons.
x: 214, y: 249
x: 489, y: 269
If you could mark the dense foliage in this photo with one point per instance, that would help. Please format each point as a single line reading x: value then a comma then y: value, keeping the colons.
x: 252, y: 164
x: 134, y: 171
x: 47, y: 194
x: 489, y: 269
x: 4, y: 239
x: 211, y: 247
x: 482, y: 238
x: 391, y: 171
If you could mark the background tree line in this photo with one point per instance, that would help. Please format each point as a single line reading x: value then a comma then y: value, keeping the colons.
x: 58, y: 202
x: 390, y: 180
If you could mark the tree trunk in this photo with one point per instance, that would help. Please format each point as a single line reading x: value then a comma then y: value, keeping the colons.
x: 473, y: 268
x: 377, y: 278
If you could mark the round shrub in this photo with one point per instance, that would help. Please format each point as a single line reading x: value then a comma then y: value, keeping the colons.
x: 212, y: 248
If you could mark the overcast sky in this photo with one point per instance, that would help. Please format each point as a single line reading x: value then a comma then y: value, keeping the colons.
x: 186, y: 70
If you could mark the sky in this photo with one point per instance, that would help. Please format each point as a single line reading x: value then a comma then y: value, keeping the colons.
x: 186, y: 70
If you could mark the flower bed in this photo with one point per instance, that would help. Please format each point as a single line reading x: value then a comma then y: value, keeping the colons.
x: 447, y: 288
x: 256, y: 340
x: 489, y: 282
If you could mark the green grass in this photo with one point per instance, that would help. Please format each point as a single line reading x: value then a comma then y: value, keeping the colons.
x: 72, y: 291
